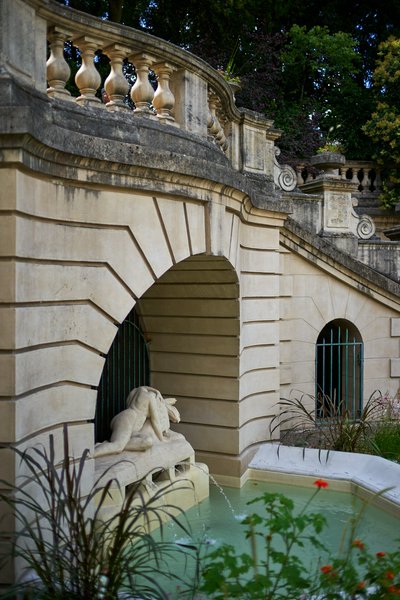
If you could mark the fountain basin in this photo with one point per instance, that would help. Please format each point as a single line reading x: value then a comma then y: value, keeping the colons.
x: 217, y: 520
x: 370, y: 477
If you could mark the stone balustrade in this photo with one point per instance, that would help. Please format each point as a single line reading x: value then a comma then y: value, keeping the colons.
x: 170, y: 101
x: 183, y: 91
x: 366, y: 175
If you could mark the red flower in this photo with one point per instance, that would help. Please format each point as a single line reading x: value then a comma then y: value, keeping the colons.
x: 380, y: 554
x: 358, y: 544
x: 361, y: 585
x: 389, y: 575
x: 320, y: 483
x: 326, y: 569
x: 393, y: 589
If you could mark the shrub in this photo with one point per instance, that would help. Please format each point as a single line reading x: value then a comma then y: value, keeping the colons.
x: 278, y: 573
x: 333, y: 429
x: 385, y: 436
x: 385, y: 440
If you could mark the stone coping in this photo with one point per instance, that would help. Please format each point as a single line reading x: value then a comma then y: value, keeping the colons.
x: 372, y: 473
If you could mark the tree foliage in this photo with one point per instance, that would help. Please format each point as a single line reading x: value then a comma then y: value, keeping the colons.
x: 384, y: 125
x: 317, y: 66
x: 305, y: 63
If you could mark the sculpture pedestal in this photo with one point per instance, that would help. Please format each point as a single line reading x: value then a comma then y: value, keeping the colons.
x: 169, y: 464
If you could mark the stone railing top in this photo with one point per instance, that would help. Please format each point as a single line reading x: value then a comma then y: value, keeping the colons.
x: 82, y: 24
x: 365, y: 175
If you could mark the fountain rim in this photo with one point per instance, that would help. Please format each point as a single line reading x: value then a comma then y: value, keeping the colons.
x: 371, y: 478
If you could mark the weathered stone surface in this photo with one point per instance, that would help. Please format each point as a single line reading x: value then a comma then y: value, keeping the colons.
x: 101, y: 211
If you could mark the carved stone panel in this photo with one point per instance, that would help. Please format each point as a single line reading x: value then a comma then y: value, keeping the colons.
x: 337, y: 211
x: 254, y: 150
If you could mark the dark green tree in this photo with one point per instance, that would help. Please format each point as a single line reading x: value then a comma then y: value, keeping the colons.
x: 306, y: 77
x: 384, y: 125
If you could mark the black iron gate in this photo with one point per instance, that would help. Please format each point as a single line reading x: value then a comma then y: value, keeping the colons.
x: 126, y: 367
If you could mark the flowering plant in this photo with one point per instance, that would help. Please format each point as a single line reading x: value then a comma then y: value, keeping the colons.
x: 279, y: 573
x: 273, y: 571
x: 389, y: 407
x: 360, y: 574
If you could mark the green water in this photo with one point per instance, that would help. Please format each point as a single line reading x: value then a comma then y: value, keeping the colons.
x: 217, y: 520
x: 221, y: 523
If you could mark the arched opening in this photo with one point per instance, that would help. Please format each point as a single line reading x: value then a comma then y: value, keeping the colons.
x: 339, y: 370
x: 191, y: 321
x: 126, y: 367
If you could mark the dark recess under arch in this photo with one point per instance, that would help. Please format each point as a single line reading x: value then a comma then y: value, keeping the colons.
x: 126, y: 367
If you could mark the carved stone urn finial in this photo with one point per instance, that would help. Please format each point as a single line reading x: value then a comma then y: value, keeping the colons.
x: 328, y: 163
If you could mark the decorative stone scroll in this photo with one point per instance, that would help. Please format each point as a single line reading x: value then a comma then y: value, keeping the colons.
x: 365, y: 227
x: 340, y: 216
x: 284, y: 176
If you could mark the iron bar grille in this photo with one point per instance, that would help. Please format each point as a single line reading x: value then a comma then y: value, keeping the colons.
x: 339, y: 371
x: 126, y: 367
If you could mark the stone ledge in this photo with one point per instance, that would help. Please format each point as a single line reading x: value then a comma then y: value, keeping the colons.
x: 373, y: 473
x: 60, y: 139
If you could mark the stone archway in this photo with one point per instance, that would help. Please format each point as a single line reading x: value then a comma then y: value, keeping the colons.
x: 191, y: 319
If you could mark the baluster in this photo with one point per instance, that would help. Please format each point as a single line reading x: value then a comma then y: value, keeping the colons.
x: 58, y: 71
x: 364, y: 180
x: 212, y: 118
x: 116, y: 85
x: 142, y: 92
x: 299, y: 174
x: 378, y: 180
x: 367, y: 180
x: 354, y: 176
x: 308, y: 176
x: 88, y: 78
x: 164, y: 100
x: 213, y: 124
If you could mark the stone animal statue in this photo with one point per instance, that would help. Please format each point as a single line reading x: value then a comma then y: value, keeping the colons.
x: 146, y: 417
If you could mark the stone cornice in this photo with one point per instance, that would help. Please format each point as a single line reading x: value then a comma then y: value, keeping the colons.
x: 64, y: 141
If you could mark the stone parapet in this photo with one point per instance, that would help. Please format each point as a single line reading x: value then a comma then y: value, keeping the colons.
x: 367, y: 178
x: 365, y: 175
x: 171, y: 86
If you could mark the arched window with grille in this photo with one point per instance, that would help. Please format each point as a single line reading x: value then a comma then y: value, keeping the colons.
x: 339, y: 370
x: 126, y: 367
